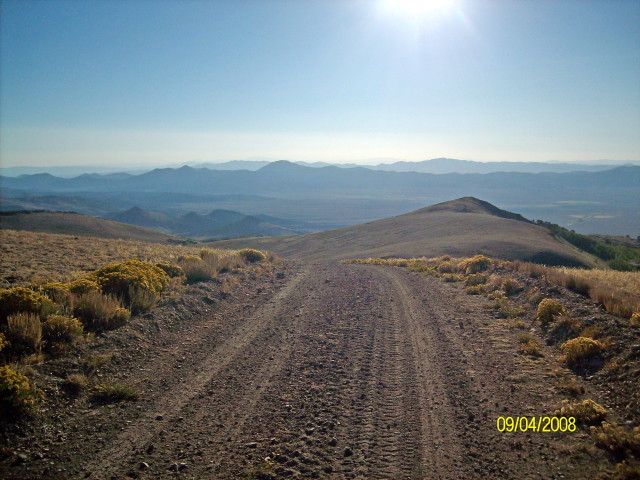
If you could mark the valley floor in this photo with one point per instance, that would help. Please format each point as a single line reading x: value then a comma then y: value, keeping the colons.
x: 329, y: 371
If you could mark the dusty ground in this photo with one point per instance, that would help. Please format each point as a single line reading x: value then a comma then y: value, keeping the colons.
x: 318, y: 371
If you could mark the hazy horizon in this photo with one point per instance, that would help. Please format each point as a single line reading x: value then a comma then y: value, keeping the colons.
x: 139, y: 83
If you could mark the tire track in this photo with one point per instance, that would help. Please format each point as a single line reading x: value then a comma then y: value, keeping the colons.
x: 173, y: 401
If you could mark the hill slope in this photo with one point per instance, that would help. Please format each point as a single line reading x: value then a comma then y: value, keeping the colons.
x: 460, y: 227
x: 83, y: 225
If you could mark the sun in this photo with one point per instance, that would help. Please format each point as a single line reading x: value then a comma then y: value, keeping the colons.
x: 417, y: 9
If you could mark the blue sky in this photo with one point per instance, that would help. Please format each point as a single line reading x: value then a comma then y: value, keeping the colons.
x: 115, y: 82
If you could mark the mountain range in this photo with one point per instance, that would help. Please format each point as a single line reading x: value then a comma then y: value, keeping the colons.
x: 435, y: 165
x: 604, y: 201
x: 216, y: 224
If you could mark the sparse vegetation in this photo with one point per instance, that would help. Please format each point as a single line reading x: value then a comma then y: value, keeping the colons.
x: 75, y: 384
x: 586, y: 412
x: 507, y: 309
x: 528, y: 345
x: 93, y: 363
x: 113, y: 392
x: 569, y: 386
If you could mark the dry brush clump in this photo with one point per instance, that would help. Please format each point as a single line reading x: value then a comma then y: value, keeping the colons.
x: 23, y: 332
x: 618, y: 440
x: 23, y: 300
x: 99, y: 312
x: 124, y: 279
x: 548, y: 309
x: 586, y: 412
x: 60, y: 332
x: 581, y: 349
x: 618, y: 292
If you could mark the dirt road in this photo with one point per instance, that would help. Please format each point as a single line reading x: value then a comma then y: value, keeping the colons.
x: 335, y: 371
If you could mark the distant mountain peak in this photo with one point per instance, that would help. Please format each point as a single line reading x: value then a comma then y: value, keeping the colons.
x: 282, y: 165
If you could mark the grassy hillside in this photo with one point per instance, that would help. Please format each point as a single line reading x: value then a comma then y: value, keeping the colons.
x: 460, y: 227
x: 81, y: 225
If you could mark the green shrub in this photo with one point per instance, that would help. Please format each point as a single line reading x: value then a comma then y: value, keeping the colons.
x: 548, y: 309
x: 100, y: 312
x: 24, y: 332
x: 586, y: 412
x: 61, y: 329
x: 170, y: 269
x: 17, y: 394
x: 20, y: 299
x: 3, y: 342
x: 478, y: 263
x: 83, y: 285
x: 121, y: 279
x: 252, y: 256
x: 579, y: 349
x: 113, y: 392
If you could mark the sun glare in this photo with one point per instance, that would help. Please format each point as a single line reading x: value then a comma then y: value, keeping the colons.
x: 417, y: 9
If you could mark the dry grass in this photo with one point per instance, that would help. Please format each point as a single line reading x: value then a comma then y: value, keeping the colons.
x: 618, y: 292
x: 208, y: 264
x: 458, y: 228
x: 113, y: 392
x: 26, y: 256
x: 24, y: 332
x: 100, y: 312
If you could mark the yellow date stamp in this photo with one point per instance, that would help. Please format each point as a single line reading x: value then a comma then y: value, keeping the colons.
x: 536, y: 424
